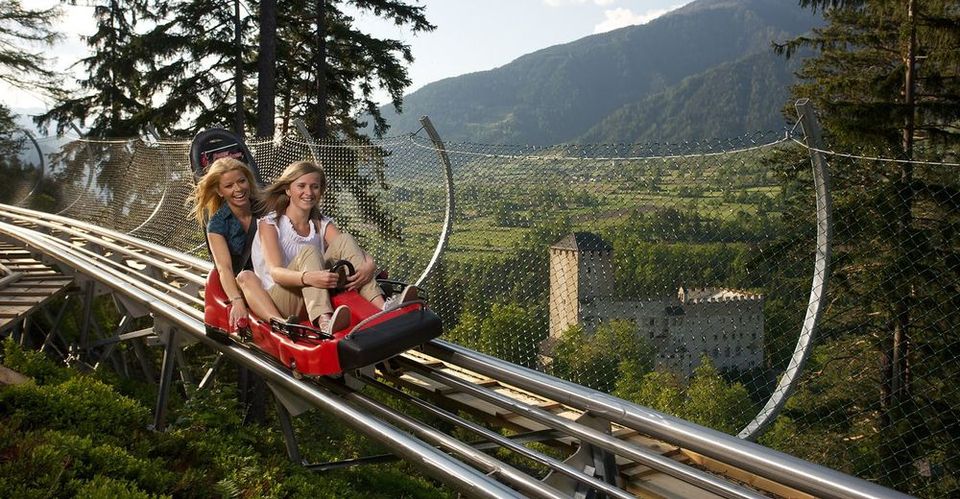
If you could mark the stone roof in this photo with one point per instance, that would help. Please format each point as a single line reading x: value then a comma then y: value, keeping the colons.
x: 711, y: 295
x: 582, y: 241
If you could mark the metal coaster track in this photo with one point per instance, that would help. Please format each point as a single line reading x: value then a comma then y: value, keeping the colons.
x: 645, y: 453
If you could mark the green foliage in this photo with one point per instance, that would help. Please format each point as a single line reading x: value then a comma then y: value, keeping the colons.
x: 614, y: 352
x: 857, y: 79
x: 31, y: 363
x: 885, y: 81
x: 706, y: 398
x: 79, y: 438
x: 715, y: 403
x: 186, y: 66
x: 513, y: 333
x: 60, y: 438
x: 9, y: 146
x: 689, y: 263
x: 659, y: 390
x: 104, y: 487
x: 734, y: 98
x: 80, y: 404
x: 22, y: 30
x: 113, y: 102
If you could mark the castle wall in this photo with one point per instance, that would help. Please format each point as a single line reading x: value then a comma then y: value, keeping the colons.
x: 729, y: 331
x: 595, y: 274
x: 564, y: 290
x: 724, y: 324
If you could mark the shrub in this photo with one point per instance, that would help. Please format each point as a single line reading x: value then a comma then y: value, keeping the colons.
x: 32, y: 364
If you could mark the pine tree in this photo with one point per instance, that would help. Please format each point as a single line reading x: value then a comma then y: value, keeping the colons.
x: 111, y: 100
x: 185, y: 66
x: 20, y: 30
x: 328, y: 69
x: 887, y: 81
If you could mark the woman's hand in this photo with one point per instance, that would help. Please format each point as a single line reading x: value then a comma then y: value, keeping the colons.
x: 364, y: 274
x: 237, y: 311
x: 320, y: 279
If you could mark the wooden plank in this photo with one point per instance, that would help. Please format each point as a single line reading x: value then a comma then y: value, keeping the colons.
x: 18, y: 300
x: 38, y: 283
x: 18, y: 291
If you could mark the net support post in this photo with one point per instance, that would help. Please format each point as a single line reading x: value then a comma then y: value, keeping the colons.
x: 448, y: 215
x: 821, y: 273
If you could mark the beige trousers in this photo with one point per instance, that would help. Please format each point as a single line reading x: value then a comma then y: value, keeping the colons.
x: 291, y: 300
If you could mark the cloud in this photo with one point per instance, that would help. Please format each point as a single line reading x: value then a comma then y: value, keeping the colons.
x: 561, y: 3
x: 620, y: 17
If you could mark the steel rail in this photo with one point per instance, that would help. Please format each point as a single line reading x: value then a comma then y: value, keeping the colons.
x: 764, y: 462
x: 429, y: 459
x: 767, y: 463
x: 183, y: 258
x: 479, y: 459
x: 501, y: 440
x: 121, y: 273
x: 619, y: 447
x: 130, y: 271
x: 118, y: 248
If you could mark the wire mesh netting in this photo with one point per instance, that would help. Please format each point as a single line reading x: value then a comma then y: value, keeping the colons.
x: 674, y: 276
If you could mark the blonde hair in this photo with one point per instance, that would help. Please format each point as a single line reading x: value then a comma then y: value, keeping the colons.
x: 205, y: 199
x: 275, y: 196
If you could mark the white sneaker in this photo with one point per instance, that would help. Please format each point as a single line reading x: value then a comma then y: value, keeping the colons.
x: 392, y: 302
x: 339, y: 320
x: 409, y: 294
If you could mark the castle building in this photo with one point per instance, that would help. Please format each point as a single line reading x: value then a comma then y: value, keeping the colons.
x: 724, y: 324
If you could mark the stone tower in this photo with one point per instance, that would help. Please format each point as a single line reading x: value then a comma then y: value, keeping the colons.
x: 581, y: 271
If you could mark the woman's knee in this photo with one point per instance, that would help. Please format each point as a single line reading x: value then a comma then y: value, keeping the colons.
x: 308, y: 253
x: 247, y: 278
x: 345, y: 247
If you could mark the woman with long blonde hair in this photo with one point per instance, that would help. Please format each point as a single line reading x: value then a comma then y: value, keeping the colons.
x: 226, y: 199
x: 296, y: 244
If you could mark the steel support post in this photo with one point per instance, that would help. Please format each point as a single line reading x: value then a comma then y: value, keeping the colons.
x: 146, y: 363
x: 821, y: 273
x: 448, y: 213
x: 289, y: 437
x: 87, y: 315
x: 55, y: 324
x: 211, y: 374
x: 166, y: 378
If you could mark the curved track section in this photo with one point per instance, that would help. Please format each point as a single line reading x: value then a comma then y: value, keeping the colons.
x: 612, y: 447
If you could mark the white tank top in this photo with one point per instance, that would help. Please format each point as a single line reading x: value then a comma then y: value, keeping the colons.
x: 290, y: 244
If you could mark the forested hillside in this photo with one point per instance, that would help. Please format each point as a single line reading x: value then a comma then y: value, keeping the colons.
x: 575, y: 91
x: 732, y: 99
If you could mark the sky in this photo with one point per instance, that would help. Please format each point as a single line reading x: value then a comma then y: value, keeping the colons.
x: 471, y: 35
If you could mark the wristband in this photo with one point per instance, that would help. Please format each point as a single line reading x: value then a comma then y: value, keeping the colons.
x: 301, y: 278
x: 235, y: 298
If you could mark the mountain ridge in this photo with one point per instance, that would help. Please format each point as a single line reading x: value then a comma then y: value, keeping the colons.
x: 561, y: 93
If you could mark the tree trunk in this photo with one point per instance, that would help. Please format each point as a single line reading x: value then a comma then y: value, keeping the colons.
x: 895, y: 387
x: 319, y: 119
x: 267, y: 69
x: 901, y: 337
x: 238, y: 70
